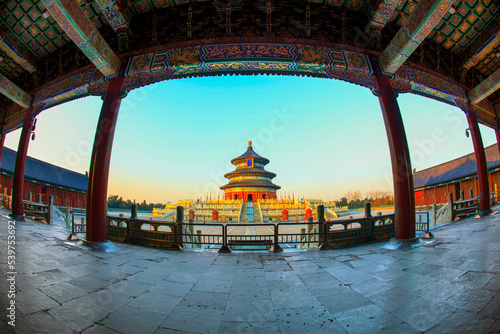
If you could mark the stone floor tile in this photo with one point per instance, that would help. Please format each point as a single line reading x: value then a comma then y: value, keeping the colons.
x: 89, y: 283
x: 131, y: 320
x: 249, y: 312
x: 205, y: 300
x: 184, y: 277
x: 493, y: 284
x: 393, y: 299
x: 471, y: 300
x: 492, y: 309
x: 41, y: 323
x: 368, y: 319
x: 194, y: 320
x: 423, y: 314
x: 171, y: 288
x: 31, y: 301
x: 495, y: 329
x: 248, y: 293
x: 99, y: 329
x: 474, y: 280
x: 310, y: 319
x: 107, y: 299
x: 255, y: 327
x: 129, y: 287
x: 63, y: 292
x: 462, y: 322
x: 344, y: 301
x: 156, y: 302
x: 77, y: 314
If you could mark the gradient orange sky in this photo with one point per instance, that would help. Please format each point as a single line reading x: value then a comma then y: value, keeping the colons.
x: 174, y: 139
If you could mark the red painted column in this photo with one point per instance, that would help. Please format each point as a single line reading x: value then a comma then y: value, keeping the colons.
x: 404, y: 196
x: 99, y: 164
x: 2, y: 142
x: 22, y: 151
x: 482, y: 171
x: 497, y: 133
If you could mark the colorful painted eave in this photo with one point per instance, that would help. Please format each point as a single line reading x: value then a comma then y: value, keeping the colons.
x: 70, y: 16
x: 485, y: 88
x: 14, y: 93
x: 16, y: 51
x: 420, y: 23
x: 491, y: 44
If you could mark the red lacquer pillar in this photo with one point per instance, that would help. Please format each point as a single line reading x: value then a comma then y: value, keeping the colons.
x: 2, y: 142
x: 404, y: 196
x: 482, y: 171
x: 99, y: 164
x: 22, y: 151
x: 497, y: 133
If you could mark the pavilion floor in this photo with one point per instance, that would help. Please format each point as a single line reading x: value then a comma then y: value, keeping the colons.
x: 449, y: 285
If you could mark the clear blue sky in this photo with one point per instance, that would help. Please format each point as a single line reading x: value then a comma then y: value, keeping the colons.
x: 174, y: 139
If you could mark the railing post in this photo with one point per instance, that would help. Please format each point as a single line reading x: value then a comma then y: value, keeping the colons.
x: 133, y: 211
x: 428, y: 234
x: 451, y: 206
x: 39, y: 198
x: 225, y: 248
x: 275, y: 248
x: 434, y: 216
x: 50, y: 207
x: 72, y: 236
x: 471, y: 193
x: 198, y: 238
x: 68, y: 215
x: 324, y: 227
x: 178, y: 229
x: 129, y: 224
x: 461, y: 195
x: 310, y: 227
x: 368, y: 210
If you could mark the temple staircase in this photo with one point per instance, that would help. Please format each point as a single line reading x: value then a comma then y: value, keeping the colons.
x: 243, y: 213
x: 250, y: 212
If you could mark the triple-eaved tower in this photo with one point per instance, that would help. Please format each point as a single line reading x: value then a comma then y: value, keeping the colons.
x: 250, y: 181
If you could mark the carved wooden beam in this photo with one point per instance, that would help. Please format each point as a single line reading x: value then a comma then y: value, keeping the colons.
x: 421, y: 22
x: 487, y: 87
x: 70, y: 16
x: 13, y: 92
x: 491, y: 42
x: 379, y: 16
x: 118, y: 15
x: 16, y: 51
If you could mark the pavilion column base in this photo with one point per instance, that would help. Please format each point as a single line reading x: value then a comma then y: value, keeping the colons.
x: 19, y: 218
x: 225, y: 249
x: 97, y: 246
x: 402, y: 244
x: 482, y: 213
x: 275, y: 249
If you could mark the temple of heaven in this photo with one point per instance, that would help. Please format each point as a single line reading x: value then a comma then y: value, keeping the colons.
x: 250, y: 181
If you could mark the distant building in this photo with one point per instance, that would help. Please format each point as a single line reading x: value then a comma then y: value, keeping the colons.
x: 68, y: 188
x: 432, y: 185
x: 250, y: 181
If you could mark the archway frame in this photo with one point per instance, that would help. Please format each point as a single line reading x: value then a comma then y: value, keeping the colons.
x: 253, y: 56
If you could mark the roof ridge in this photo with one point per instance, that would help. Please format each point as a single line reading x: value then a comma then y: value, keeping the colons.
x: 456, y: 159
x: 46, y: 163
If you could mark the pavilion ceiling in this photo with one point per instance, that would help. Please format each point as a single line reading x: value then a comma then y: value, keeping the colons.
x: 36, y: 51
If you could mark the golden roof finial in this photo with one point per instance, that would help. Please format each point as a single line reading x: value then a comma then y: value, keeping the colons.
x: 249, y: 143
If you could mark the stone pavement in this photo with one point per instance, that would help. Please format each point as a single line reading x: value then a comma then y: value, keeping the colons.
x: 449, y: 285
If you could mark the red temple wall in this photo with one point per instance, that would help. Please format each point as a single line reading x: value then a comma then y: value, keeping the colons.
x: 440, y: 194
x: 62, y: 197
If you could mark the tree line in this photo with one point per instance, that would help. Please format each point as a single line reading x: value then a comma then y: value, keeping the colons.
x: 117, y: 202
x: 354, y: 199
